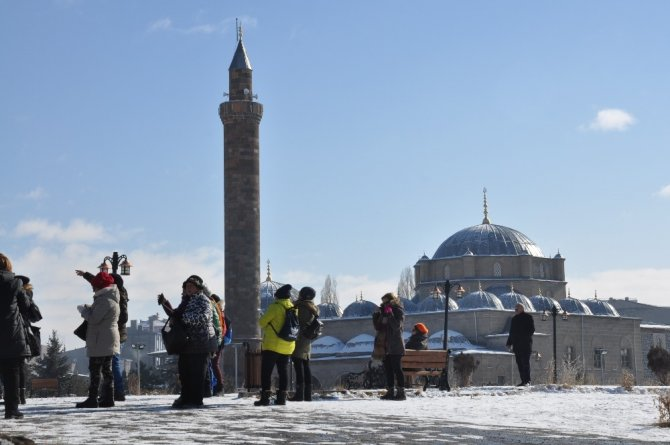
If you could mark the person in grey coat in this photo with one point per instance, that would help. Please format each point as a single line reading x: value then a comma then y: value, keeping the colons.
x: 102, y: 339
x: 388, y: 321
x: 307, y: 311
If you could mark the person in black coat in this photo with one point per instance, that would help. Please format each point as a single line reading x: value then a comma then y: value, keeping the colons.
x: 520, y: 341
x: 13, y: 345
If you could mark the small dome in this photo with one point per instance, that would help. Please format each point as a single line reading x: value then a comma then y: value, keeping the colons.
x: 487, y: 239
x: 409, y: 305
x: 329, y: 310
x: 326, y: 345
x: 456, y: 341
x: 359, y: 308
x: 574, y: 306
x: 360, y: 344
x: 602, y: 308
x: 480, y: 299
x: 435, y: 303
x: 510, y: 299
x: 542, y: 303
x: 498, y: 289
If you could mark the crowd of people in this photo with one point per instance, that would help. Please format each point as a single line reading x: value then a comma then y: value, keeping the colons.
x: 200, y: 331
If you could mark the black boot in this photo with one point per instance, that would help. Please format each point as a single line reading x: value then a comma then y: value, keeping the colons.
x: 281, y: 398
x: 13, y: 414
x: 107, y: 398
x: 119, y: 396
x: 218, y: 389
x: 12, y: 405
x: 298, y: 395
x: 308, y: 392
x: 400, y: 395
x: 22, y: 396
x: 389, y: 394
x: 265, y: 399
x: 91, y: 402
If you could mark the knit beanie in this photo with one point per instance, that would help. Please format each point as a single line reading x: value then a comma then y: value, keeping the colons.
x: 284, y: 291
x: 306, y: 293
x: 102, y: 280
x: 421, y: 328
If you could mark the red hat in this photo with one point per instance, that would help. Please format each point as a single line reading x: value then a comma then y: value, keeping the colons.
x: 102, y: 280
x: 421, y: 328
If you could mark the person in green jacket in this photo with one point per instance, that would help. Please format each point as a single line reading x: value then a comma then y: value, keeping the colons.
x: 275, y: 351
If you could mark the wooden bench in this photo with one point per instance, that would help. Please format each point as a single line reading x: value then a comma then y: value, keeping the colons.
x: 425, y: 363
x: 41, y: 386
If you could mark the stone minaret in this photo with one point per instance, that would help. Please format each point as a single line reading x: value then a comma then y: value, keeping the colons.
x: 241, y: 117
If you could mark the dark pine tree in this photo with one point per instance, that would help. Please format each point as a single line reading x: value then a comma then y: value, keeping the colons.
x: 54, y: 363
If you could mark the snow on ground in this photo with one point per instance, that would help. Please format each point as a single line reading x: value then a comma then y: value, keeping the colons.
x: 544, y: 414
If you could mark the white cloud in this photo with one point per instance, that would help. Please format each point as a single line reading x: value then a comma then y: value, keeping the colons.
x: 36, y: 194
x: 200, y: 29
x: 77, y: 231
x: 648, y: 286
x: 664, y: 192
x: 161, y: 25
x: 612, y: 119
x: 58, y: 290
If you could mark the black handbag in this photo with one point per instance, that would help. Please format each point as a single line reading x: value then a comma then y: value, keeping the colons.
x: 34, y: 340
x: 175, y: 336
x: 81, y: 330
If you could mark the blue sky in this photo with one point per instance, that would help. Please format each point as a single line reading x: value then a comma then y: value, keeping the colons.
x: 383, y: 123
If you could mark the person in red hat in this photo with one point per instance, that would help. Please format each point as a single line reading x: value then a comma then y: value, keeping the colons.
x: 102, y: 339
x: 419, y: 338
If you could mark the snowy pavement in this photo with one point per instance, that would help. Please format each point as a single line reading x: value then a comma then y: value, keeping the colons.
x: 489, y: 415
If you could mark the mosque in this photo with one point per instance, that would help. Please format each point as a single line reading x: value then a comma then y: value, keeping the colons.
x: 497, y: 267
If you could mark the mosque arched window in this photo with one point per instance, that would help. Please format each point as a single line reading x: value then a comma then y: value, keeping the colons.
x: 497, y: 270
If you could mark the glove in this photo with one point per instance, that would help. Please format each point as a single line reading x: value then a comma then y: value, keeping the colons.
x: 161, y: 298
x: 388, y: 310
x: 80, y: 308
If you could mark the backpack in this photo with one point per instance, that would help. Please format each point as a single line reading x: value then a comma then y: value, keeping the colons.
x: 291, y: 328
x: 313, y: 329
x: 228, y: 337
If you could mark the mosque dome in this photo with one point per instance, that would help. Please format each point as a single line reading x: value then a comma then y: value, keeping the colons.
x: 455, y: 341
x: 480, y: 299
x: 409, y: 306
x: 510, y: 299
x: 435, y: 303
x: 326, y: 345
x: 329, y: 310
x: 487, y: 239
x: 361, y: 344
x: 268, y: 289
x: 542, y: 303
x: 602, y: 308
x: 574, y: 306
x: 359, y: 308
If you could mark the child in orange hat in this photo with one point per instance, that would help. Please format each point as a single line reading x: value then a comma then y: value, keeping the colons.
x: 419, y: 338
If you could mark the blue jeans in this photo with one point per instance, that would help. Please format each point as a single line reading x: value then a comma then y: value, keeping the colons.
x: 118, y: 374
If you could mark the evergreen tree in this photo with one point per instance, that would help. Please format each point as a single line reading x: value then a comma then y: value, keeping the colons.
x: 658, y: 360
x: 54, y: 363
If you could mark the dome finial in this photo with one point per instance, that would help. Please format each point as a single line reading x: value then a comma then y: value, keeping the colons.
x: 511, y: 286
x: 595, y: 294
x: 238, y: 27
x: 269, y: 277
x: 569, y: 293
x: 486, y: 210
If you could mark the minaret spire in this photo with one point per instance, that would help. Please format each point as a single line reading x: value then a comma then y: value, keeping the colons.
x: 238, y: 27
x: 486, y: 210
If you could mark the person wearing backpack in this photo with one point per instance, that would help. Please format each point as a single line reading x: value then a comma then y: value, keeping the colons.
x: 275, y: 350
x: 307, y: 313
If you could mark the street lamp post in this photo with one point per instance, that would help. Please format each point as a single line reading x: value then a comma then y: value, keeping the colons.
x: 116, y: 261
x: 444, y: 377
x: 545, y: 316
x: 138, y: 347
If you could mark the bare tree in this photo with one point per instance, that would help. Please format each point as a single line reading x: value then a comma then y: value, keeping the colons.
x: 329, y: 291
x: 406, y: 283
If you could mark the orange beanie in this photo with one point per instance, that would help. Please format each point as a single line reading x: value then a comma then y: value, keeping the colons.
x: 421, y: 328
